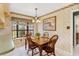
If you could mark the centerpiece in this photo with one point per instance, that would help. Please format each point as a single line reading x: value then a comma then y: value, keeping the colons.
x: 37, y: 35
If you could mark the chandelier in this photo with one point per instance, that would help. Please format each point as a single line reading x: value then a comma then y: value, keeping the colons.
x: 36, y: 20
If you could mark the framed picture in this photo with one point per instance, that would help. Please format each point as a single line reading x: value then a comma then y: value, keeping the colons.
x: 49, y: 24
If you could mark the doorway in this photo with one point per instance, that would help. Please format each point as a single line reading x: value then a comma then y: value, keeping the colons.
x: 75, y: 28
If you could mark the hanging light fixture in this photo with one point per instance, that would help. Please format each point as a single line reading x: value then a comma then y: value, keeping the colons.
x: 36, y: 20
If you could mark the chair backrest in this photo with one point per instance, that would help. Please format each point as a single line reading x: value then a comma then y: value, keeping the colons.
x: 30, y: 43
x: 53, y: 40
x: 29, y: 39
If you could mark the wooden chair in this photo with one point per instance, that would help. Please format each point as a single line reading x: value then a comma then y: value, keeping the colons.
x: 31, y: 45
x: 50, y: 47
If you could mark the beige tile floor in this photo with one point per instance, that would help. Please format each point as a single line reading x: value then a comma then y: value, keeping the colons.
x: 17, y: 52
x: 76, y: 51
x: 21, y: 52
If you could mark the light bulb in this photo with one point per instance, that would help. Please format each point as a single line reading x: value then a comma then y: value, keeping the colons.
x: 38, y: 21
x: 33, y: 21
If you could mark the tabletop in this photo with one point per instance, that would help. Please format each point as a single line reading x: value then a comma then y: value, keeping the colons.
x: 40, y: 41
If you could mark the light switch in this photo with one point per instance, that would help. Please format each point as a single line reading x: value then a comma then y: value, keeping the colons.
x: 68, y: 27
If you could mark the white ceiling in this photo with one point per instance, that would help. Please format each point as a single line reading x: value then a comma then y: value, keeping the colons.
x: 29, y: 8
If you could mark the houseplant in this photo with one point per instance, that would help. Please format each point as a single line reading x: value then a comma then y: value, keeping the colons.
x: 37, y: 35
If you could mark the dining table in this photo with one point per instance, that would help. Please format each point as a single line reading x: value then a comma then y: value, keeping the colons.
x: 40, y: 43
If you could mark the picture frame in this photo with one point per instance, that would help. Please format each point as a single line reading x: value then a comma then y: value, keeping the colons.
x: 49, y: 24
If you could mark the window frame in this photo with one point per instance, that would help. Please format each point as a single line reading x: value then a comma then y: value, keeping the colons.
x: 17, y: 28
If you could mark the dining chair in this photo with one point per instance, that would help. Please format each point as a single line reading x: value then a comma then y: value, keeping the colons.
x: 50, y: 47
x: 31, y: 45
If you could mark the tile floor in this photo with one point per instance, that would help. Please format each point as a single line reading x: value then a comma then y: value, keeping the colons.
x: 76, y: 51
x: 21, y: 52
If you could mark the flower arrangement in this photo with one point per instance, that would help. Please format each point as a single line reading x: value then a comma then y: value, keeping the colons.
x: 37, y: 35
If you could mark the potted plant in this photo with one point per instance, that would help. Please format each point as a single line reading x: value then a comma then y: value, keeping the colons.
x: 37, y: 35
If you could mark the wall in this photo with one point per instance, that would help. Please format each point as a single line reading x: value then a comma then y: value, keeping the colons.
x: 64, y: 45
x: 6, y: 42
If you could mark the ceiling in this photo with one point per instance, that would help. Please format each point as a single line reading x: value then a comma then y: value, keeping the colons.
x: 29, y: 8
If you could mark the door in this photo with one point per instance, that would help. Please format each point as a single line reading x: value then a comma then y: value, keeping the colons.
x: 76, y: 28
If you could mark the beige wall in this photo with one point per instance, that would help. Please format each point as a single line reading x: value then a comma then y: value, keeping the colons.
x: 63, y: 19
x: 6, y: 42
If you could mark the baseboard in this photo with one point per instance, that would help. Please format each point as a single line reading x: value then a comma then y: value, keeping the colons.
x: 7, y: 51
x: 61, y: 52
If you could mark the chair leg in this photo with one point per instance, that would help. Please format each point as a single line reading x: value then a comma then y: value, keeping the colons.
x: 32, y: 52
x: 27, y: 51
x: 54, y: 52
x: 54, y: 55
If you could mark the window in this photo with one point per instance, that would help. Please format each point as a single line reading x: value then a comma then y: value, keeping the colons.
x: 14, y: 29
x: 31, y: 28
x: 19, y: 28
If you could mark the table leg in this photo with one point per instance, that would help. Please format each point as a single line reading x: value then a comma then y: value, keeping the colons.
x: 25, y: 44
x: 40, y: 50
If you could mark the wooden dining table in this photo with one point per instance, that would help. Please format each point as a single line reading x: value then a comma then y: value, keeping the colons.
x: 40, y: 43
